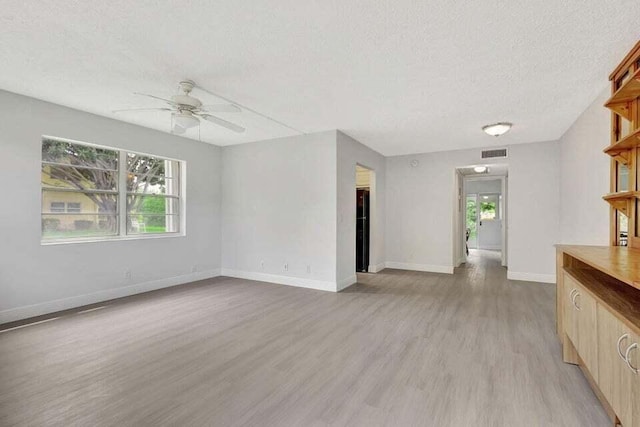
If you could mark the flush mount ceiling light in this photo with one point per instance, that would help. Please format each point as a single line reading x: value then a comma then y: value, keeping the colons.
x: 497, y: 129
x: 480, y: 169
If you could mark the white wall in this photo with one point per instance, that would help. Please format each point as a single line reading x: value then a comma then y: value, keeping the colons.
x: 533, y: 206
x: 279, y: 207
x: 584, y: 176
x: 419, y: 231
x: 349, y: 153
x: 37, y: 279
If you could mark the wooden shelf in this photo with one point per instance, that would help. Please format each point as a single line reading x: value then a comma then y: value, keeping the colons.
x: 620, y: 200
x: 617, y: 296
x: 630, y: 91
x: 619, y: 262
x: 620, y: 150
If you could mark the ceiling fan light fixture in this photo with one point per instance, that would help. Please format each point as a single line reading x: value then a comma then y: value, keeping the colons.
x: 185, y: 120
x: 497, y: 129
x: 480, y: 169
x: 177, y: 130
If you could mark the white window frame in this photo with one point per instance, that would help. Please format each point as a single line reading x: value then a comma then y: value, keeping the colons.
x: 122, y: 199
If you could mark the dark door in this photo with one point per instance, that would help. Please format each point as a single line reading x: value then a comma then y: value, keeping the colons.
x: 362, y: 229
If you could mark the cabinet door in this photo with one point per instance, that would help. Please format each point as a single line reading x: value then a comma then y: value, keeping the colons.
x: 587, y: 344
x: 633, y: 372
x: 614, y: 376
x: 569, y: 310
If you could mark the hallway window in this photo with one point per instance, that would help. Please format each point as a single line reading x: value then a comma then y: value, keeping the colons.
x: 489, y: 207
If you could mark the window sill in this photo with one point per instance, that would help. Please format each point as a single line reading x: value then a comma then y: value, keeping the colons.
x: 111, y: 239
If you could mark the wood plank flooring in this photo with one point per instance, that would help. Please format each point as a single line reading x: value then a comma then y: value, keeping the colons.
x: 398, y: 349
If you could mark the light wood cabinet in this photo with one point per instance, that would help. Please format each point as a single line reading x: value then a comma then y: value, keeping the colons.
x: 615, y: 378
x: 570, y: 312
x: 580, y: 321
x: 634, y: 367
x: 599, y: 323
x: 585, y: 306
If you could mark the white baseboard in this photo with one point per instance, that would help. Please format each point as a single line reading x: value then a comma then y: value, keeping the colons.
x: 420, y: 267
x: 300, y: 282
x: 345, y: 283
x: 374, y: 268
x: 28, y: 311
x: 531, y: 277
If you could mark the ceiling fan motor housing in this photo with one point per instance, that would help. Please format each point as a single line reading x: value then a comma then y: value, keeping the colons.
x: 186, y: 101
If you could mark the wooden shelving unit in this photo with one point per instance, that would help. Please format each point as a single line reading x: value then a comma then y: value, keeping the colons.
x: 621, y: 200
x: 624, y: 150
x: 627, y: 94
x: 622, y: 147
x: 598, y: 287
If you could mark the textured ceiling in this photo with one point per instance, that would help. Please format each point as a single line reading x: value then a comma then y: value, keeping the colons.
x: 401, y: 76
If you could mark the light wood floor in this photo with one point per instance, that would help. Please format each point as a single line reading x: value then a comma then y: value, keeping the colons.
x: 399, y: 348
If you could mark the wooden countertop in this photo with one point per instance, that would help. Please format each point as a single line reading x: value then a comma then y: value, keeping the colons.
x: 617, y: 261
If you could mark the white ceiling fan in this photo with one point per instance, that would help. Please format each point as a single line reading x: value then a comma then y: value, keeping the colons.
x: 186, y: 110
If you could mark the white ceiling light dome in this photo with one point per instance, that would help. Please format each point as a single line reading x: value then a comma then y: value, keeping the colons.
x: 497, y: 129
x: 185, y: 120
x: 480, y: 169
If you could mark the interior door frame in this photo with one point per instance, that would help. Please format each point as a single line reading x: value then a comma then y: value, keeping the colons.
x: 466, y: 198
x: 374, y: 228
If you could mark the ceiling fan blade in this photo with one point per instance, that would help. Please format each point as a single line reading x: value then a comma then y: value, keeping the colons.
x: 141, y: 109
x: 155, y: 97
x: 220, y: 108
x: 225, y: 124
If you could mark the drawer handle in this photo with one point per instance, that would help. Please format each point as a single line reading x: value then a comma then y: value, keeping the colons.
x: 622, y: 338
x: 626, y: 356
x: 573, y: 300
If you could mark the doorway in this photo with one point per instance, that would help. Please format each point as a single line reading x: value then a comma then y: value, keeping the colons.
x: 489, y: 221
x: 363, y: 218
x: 483, y: 213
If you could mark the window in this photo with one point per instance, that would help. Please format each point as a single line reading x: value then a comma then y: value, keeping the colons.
x: 153, y: 189
x: 74, y: 207
x: 57, y: 206
x: 91, y: 192
x: 489, y: 207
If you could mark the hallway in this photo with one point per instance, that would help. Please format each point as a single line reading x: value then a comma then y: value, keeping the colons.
x: 399, y: 348
x: 484, y: 258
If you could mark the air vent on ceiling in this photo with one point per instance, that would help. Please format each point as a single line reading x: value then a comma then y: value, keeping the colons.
x: 492, y: 154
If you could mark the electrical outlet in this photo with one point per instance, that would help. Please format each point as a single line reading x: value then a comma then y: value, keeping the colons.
x: 262, y: 265
x: 308, y: 269
x: 194, y: 268
x: 127, y: 274
x: 286, y: 267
